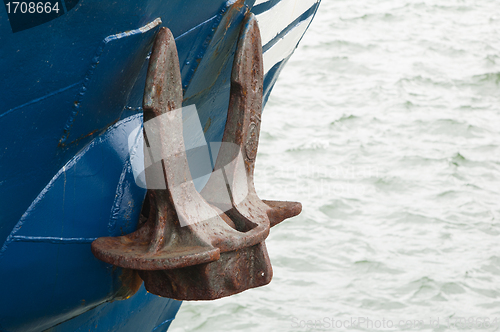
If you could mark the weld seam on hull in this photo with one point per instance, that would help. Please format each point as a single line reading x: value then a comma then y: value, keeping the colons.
x: 54, y: 240
x: 55, y: 92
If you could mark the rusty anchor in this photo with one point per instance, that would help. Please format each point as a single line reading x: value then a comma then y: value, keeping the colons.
x: 209, y: 244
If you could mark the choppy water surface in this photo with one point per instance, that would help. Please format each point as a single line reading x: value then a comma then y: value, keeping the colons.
x: 386, y: 126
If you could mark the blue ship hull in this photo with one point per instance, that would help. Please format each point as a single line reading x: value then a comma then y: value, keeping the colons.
x: 71, y: 92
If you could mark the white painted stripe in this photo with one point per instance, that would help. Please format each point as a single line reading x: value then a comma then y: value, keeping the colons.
x: 285, y: 46
x: 276, y: 19
x: 258, y: 2
x: 142, y: 29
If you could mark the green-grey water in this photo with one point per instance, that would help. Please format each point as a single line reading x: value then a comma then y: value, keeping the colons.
x: 385, y: 124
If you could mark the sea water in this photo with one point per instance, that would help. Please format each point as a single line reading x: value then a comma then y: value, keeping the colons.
x: 385, y: 124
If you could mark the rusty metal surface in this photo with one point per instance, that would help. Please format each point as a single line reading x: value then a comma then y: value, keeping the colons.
x: 233, y: 273
x: 281, y: 210
x: 201, y: 246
